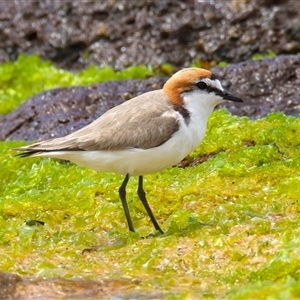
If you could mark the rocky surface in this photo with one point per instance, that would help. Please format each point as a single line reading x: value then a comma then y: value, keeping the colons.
x: 74, y: 34
x: 13, y: 286
x: 265, y: 86
x: 60, y: 111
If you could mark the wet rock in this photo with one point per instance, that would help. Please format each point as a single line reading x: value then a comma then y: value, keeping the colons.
x: 8, y: 284
x: 13, y: 286
x: 265, y: 86
x: 61, y: 111
x: 74, y: 34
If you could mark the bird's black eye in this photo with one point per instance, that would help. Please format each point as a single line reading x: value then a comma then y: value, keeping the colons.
x: 201, y: 85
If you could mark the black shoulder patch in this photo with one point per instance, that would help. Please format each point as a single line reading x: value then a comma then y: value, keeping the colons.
x: 184, y: 112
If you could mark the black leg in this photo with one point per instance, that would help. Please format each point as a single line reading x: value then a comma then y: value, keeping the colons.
x: 122, y: 194
x: 142, y: 196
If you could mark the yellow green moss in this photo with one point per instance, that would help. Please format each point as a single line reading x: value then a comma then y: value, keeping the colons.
x: 231, y: 222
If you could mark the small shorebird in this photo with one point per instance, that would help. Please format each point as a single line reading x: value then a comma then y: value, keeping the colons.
x: 144, y: 135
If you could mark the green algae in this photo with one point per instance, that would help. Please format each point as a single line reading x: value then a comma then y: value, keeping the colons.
x: 231, y: 222
x: 269, y: 54
x: 29, y: 75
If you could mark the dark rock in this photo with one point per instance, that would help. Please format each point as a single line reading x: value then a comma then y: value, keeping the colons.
x: 265, y: 86
x: 8, y: 284
x: 58, y: 288
x: 63, y: 110
x: 76, y: 33
x: 13, y: 286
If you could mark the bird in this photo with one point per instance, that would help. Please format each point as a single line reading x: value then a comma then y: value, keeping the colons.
x: 143, y: 135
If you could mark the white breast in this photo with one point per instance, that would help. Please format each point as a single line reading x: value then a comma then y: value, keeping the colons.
x: 140, y: 161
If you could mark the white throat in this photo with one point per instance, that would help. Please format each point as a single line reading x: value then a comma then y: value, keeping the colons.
x: 200, y: 105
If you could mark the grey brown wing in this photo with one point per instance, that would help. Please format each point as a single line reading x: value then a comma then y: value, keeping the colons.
x: 137, y: 133
x: 122, y: 127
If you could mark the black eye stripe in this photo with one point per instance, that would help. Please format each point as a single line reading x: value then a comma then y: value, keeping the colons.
x: 201, y: 85
x: 211, y: 89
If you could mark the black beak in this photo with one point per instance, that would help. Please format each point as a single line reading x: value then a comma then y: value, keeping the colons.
x: 227, y: 96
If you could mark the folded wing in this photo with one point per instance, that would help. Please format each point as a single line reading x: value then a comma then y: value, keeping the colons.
x: 122, y: 127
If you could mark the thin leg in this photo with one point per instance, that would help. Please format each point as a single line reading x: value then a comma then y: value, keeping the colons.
x: 142, y: 196
x: 122, y: 194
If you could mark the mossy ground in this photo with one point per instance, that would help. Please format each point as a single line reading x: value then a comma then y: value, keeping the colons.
x: 231, y: 222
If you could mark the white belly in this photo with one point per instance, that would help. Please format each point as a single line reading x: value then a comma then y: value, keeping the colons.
x: 136, y: 161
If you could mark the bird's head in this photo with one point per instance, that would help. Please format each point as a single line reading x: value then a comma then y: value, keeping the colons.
x: 196, y: 85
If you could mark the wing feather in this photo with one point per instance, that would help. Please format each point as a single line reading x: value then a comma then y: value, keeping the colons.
x: 143, y: 122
